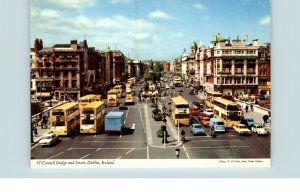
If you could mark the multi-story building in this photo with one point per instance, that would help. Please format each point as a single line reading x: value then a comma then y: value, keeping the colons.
x: 264, y: 69
x: 68, y: 71
x: 229, y: 67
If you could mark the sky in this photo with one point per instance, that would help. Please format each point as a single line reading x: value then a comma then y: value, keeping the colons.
x: 148, y: 29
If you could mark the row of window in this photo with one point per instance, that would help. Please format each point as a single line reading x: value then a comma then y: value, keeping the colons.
x: 66, y: 83
x: 237, y: 80
x: 236, y: 52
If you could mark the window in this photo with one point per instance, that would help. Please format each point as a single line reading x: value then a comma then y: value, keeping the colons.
x: 66, y: 83
x: 65, y: 73
x: 57, y: 83
x: 73, y: 83
x: 65, y: 65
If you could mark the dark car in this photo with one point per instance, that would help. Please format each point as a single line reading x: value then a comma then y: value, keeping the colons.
x: 192, y: 92
x: 198, y: 105
x: 157, y: 116
x: 122, y: 106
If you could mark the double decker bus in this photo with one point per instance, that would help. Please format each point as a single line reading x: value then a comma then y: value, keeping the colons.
x: 177, y: 82
x: 210, y: 96
x: 119, y: 90
x: 92, y: 117
x: 84, y: 100
x: 64, y: 119
x: 132, y: 81
x: 228, y: 111
x: 112, y: 98
x: 180, y: 111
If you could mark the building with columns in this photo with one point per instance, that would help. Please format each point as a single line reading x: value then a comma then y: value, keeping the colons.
x: 230, y: 67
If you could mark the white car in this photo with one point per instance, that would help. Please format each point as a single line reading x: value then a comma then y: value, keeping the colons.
x: 259, y: 129
x: 49, y: 139
x: 208, y: 112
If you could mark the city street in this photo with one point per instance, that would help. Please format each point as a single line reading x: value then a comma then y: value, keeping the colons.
x: 139, y: 141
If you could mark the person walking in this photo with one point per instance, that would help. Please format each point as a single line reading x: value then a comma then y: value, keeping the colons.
x: 251, y: 106
x: 246, y: 108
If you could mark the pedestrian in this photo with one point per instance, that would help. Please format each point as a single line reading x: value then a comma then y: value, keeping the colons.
x: 246, y: 108
x: 251, y: 106
x: 45, y: 123
x: 265, y: 118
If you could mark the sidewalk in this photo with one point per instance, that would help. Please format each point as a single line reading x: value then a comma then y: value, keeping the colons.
x: 41, y: 132
x: 152, y: 127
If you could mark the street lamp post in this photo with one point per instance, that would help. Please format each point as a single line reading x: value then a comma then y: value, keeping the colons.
x: 178, y: 131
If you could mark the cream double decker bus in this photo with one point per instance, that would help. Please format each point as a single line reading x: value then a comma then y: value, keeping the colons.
x: 92, y: 117
x: 112, y: 98
x: 180, y: 111
x: 210, y: 96
x: 228, y: 111
x: 64, y: 119
x: 84, y: 100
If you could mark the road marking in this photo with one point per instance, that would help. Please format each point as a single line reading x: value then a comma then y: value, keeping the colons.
x: 119, y: 157
x: 98, y: 149
x: 142, y: 120
x: 133, y: 126
x: 129, y: 151
x: 148, y: 152
x: 148, y: 127
x: 84, y: 156
x: 186, y: 152
x: 220, y: 147
x: 94, y: 136
x: 126, y: 116
x: 215, y: 140
x: 70, y: 149
x: 56, y: 155
x: 109, y: 148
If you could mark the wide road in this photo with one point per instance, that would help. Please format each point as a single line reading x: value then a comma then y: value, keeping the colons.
x: 225, y: 145
x: 133, y: 142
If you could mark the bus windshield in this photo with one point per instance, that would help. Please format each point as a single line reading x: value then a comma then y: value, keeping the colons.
x: 182, y: 106
x: 58, y: 123
x: 87, y: 121
x: 232, y: 108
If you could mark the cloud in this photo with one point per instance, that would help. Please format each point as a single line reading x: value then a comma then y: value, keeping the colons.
x: 48, y: 13
x: 158, y: 14
x: 198, y: 6
x: 120, y: 1
x: 73, y: 3
x: 265, y: 20
x: 177, y: 34
x: 205, y: 18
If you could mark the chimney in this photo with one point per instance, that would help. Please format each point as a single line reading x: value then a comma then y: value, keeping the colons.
x: 74, y: 44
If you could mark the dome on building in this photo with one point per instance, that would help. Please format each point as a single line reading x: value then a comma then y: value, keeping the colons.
x: 201, y: 44
x: 108, y: 49
x: 194, y: 45
x: 216, y: 37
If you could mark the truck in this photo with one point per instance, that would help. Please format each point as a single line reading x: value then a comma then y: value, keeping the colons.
x: 114, y: 122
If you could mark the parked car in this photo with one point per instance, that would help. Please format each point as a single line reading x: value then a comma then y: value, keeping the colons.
x: 197, y: 129
x: 123, y: 106
x: 259, y: 129
x: 157, y: 116
x: 249, y: 122
x: 241, y: 129
x: 49, y: 139
x: 208, y: 112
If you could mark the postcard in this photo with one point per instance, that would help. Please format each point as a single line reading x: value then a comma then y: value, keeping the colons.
x: 150, y: 84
